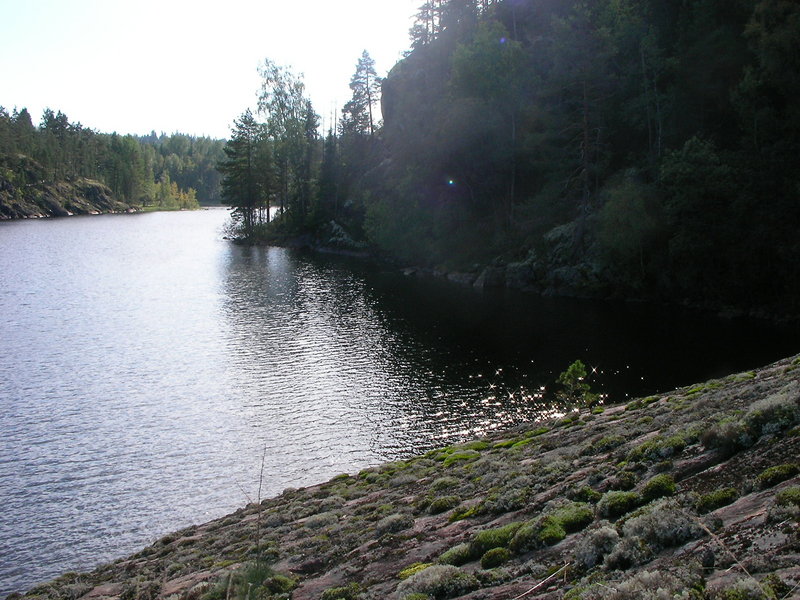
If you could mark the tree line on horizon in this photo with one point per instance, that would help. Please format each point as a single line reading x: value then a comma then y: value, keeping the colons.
x: 649, y: 147
x: 152, y: 171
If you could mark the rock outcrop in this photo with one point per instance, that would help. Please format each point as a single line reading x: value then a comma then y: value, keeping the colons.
x: 694, y: 493
x: 28, y: 194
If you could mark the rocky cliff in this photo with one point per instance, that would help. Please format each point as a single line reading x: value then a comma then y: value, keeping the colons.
x: 25, y: 192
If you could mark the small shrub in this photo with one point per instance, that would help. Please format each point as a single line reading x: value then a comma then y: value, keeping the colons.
x: 664, y: 466
x: 444, y: 483
x: 615, y: 504
x: 671, y: 446
x: 505, y: 500
x: 769, y: 415
x: 413, y: 569
x: 658, y: 487
x: 640, y: 403
x: 393, y: 524
x: 624, y: 480
x: 576, y: 392
x: 456, y: 556
x: 789, y: 496
x: 495, y: 557
x: 551, y: 531
x: 464, y: 512
x: 648, y: 585
x: 657, y: 448
x: 782, y: 513
x: 551, y: 528
x: 603, y: 445
x: 526, y: 538
x: 477, y: 445
x: 522, y: 443
x: 716, y: 499
x: 349, y: 592
x: 506, y: 443
x: 629, y: 552
x: 574, y: 517
x: 280, y: 584
x: 438, y: 581
x: 664, y: 526
x: 321, y: 520
x: 729, y: 436
x: 465, y: 455
x: 403, y: 479
x: 743, y: 589
x: 777, y: 474
x: 259, y: 578
x: 443, y: 504
x: 585, y: 494
x: 591, y: 550
x: 568, y: 420
x: 774, y: 413
x: 498, y: 537
x: 777, y: 586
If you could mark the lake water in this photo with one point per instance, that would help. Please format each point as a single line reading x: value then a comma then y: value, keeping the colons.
x: 146, y: 365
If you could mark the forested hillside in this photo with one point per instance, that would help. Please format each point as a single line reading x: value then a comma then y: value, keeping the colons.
x: 648, y: 147
x: 615, y: 148
x: 46, y: 169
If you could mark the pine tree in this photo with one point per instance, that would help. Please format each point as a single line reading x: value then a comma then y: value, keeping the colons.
x: 358, y: 114
x: 240, y: 187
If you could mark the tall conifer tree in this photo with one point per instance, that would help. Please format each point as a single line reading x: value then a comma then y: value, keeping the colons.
x: 240, y: 187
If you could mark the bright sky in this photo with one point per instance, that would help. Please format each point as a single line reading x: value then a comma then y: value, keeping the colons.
x: 133, y: 66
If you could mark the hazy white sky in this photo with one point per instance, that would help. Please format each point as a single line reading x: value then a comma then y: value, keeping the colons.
x: 133, y: 66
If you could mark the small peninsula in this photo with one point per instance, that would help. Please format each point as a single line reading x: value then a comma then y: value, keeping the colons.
x: 695, y: 493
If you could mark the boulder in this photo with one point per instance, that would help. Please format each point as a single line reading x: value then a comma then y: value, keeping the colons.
x: 491, y: 277
x: 526, y: 275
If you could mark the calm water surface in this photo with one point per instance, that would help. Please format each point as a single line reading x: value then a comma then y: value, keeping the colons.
x: 146, y: 363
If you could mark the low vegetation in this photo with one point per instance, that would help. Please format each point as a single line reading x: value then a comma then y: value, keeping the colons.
x: 635, y: 503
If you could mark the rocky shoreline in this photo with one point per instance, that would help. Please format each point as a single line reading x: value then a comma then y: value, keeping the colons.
x: 549, y: 274
x: 690, y: 494
x: 61, y: 199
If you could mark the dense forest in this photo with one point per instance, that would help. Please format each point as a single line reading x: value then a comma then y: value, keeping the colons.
x: 614, y: 148
x: 151, y: 172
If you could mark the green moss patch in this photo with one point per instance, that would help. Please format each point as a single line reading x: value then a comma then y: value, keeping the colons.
x: 348, y: 592
x: 716, y: 499
x: 641, y: 403
x: 465, y: 455
x: 495, y: 557
x: 789, y: 496
x: 777, y: 474
x: 443, y: 504
x: 412, y: 569
x: 614, y: 504
x: 603, y: 445
x: 658, y: 487
x: 457, y: 555
x: 498, y: 537
x: 657, y: 448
